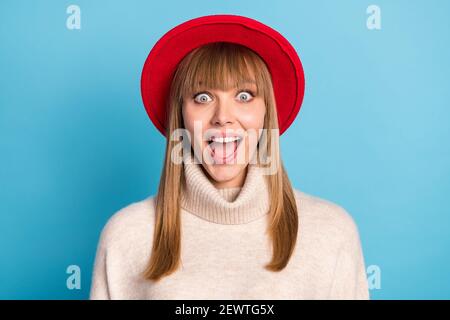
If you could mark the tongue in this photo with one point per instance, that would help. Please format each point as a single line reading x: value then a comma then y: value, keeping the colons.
x: 223, y: 150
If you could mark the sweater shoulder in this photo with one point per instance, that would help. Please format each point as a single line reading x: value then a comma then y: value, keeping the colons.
x: 325, y: 217
x: 130, y: 222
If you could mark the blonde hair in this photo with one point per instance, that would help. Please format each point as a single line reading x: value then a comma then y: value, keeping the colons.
x: 223, y: 66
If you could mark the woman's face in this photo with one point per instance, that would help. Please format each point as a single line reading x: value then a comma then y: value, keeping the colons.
x: 219, y: 118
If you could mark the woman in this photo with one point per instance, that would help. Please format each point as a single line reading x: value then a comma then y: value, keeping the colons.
x: 226, y: 222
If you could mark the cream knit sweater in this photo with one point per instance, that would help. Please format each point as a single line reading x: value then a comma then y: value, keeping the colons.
x: 225, y: 248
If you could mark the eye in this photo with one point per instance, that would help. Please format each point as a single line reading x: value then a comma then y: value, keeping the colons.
x: 245, y: 96
x: 202, y: 98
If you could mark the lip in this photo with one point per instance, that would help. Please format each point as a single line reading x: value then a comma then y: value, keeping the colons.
x: 232, y: 156
x: 224, y: 134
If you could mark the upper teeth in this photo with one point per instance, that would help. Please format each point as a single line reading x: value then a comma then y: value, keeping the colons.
x: 224, y: 140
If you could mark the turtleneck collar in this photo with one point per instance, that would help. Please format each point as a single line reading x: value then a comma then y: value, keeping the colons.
x: 225, y: 205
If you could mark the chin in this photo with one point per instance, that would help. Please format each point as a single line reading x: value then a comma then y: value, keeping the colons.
x: 223, y: 172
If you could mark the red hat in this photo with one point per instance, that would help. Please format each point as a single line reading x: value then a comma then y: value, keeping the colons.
x: 279, y: 55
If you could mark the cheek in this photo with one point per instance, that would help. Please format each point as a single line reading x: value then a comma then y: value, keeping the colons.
x: 190, y: 118
x: 253, y: 118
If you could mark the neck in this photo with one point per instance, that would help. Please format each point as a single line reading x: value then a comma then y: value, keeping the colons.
x: 229, y: 205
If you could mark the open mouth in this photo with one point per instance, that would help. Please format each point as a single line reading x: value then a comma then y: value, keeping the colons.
x: 224, y: 149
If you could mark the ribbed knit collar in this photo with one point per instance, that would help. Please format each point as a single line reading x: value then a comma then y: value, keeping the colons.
x: 225, y: 205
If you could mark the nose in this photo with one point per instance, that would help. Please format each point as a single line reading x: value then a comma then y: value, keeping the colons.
x: 222, y: 113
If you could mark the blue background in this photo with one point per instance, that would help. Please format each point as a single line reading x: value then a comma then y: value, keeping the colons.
x: 76, y: 144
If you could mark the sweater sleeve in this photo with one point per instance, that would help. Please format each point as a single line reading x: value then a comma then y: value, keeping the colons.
x: 349, y: 279
x: 99, y: 286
